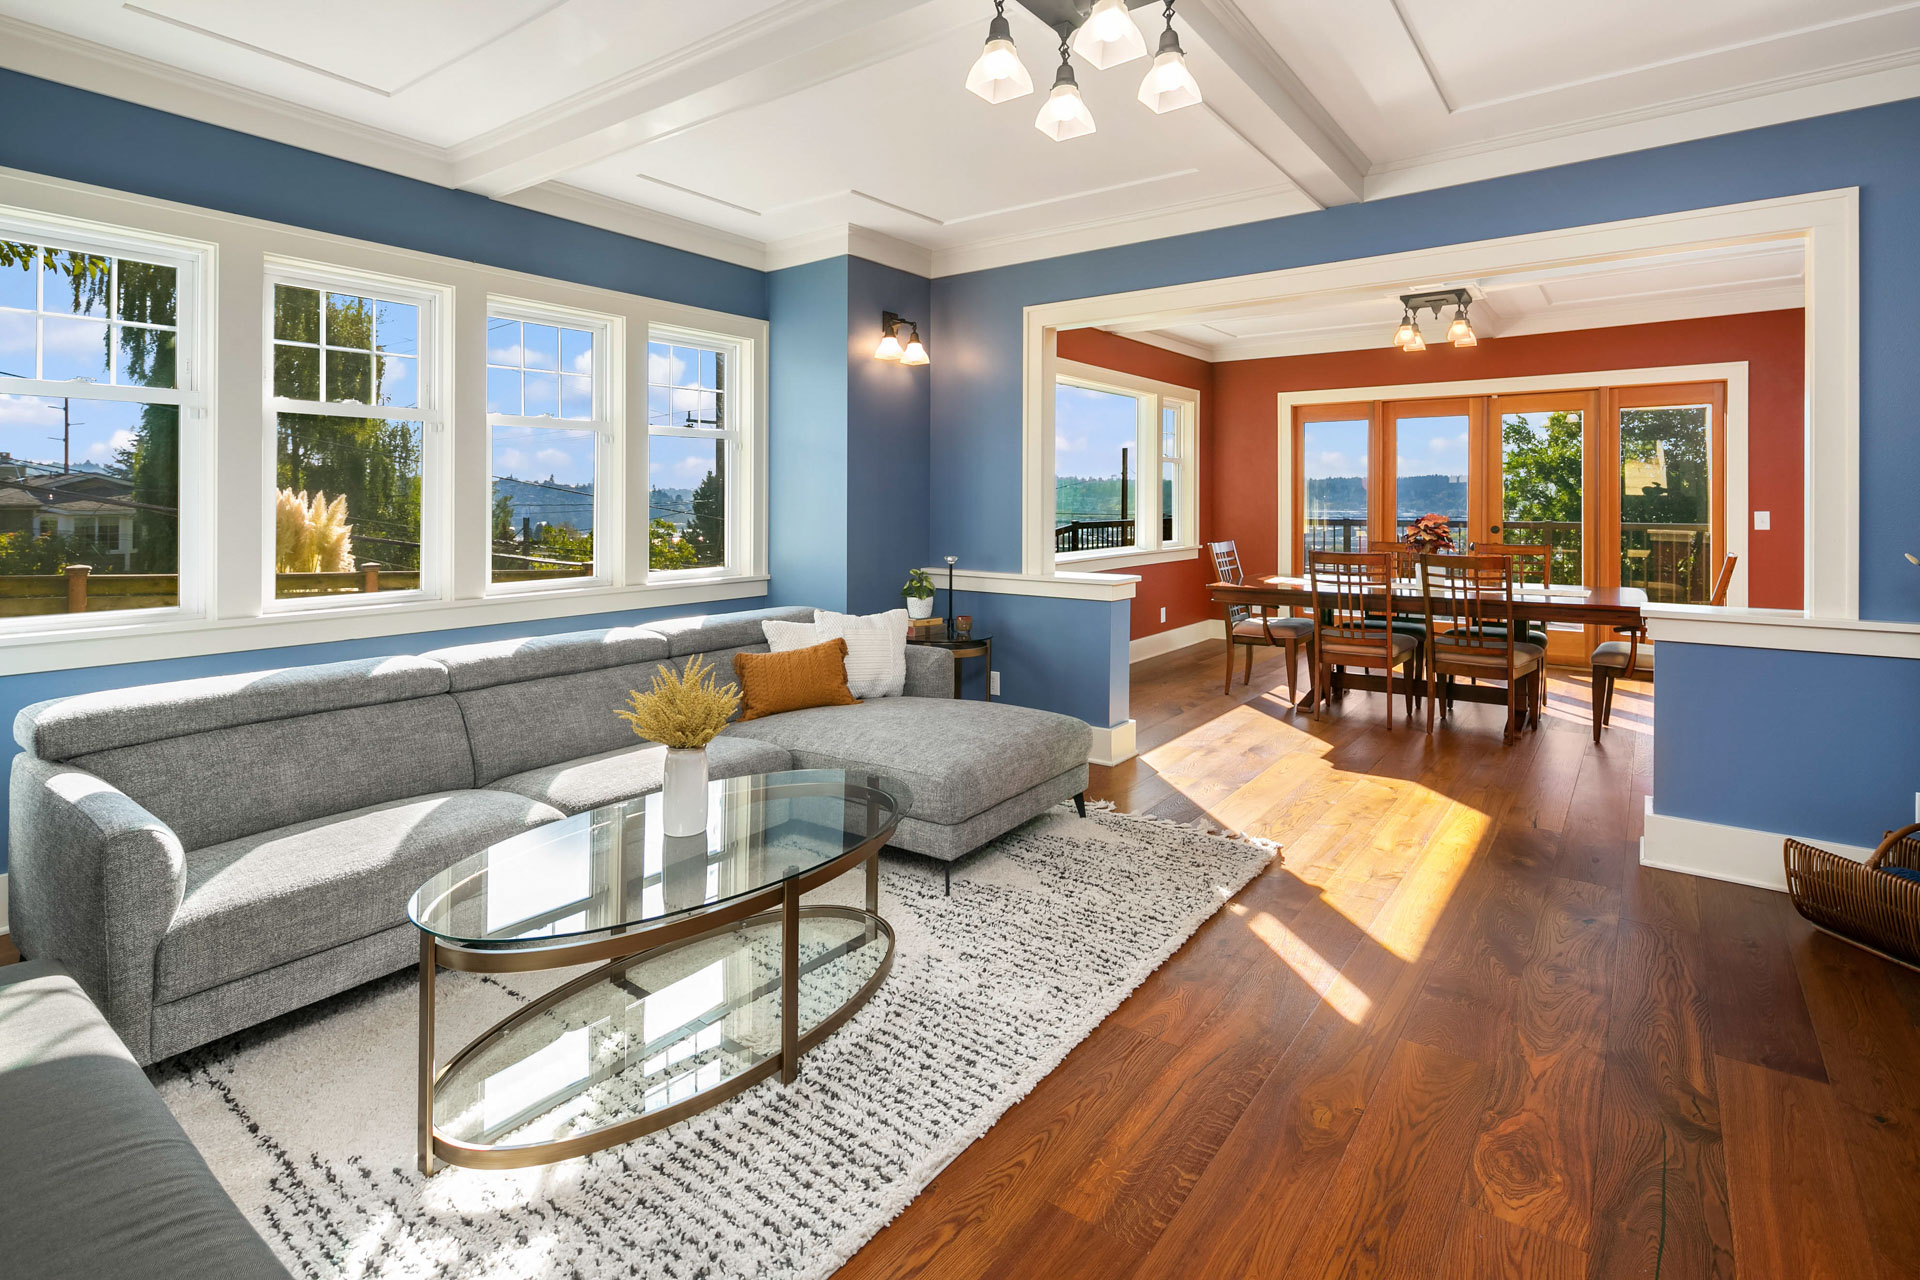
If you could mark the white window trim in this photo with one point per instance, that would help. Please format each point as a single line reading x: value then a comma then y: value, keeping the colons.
x: 436, y: 455
x: 222, y: 582
x: 745, y: 522
x: 198, y: 264
x: 1150, y: 396
x: 608, y: 426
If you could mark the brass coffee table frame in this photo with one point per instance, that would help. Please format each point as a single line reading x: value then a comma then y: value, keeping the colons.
x: 621, y: 950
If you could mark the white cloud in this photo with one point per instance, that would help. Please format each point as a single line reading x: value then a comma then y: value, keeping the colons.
x: 1063, y: 443
x: 105, y: 451
x: 583, y: 363
x: 509, y: 459
x: 558, y: 459
x: 29, y: 411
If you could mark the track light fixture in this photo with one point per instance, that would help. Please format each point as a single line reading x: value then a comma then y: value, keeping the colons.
x: 889, y: 348
x: 1460, y: 333
x: 1104, y: 33
x: 998, y: 74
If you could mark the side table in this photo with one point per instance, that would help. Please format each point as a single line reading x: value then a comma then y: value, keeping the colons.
x: 973, y: 647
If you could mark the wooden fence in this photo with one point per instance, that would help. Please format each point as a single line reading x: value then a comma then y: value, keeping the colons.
x: 79, y: 590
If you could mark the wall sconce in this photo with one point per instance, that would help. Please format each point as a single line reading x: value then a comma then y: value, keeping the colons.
x: 913, y: 353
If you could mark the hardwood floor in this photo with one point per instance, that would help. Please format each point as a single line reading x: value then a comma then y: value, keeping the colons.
x: 1457, y: 1031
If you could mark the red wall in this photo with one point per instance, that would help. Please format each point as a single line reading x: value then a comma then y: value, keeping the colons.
x: 1240, y: 431
x: 1176, y: 587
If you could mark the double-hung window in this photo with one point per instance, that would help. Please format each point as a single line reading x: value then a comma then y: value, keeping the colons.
x: 552, y: 441
x: 695, y: 437
x: 1124, y: 474
x: 101, y: 398
x: 357, y: 407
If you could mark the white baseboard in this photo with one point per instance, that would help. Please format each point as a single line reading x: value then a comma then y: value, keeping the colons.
x: 1143, y: 647
x: 1111, y: 746
x: 4, y: 929
x: 1739, y: 854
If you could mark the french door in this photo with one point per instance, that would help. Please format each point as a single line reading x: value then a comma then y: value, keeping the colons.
x: 1622, y: 486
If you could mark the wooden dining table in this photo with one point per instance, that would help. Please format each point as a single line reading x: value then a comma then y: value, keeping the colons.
x: 1584, y: 606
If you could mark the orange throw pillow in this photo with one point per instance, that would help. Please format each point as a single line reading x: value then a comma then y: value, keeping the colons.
x: 774, y: 682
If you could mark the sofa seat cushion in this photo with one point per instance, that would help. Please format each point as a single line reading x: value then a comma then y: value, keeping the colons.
x: 956, y: 758
x: 101, y: 1180
x: 575, y: 786
x: 267, y: 899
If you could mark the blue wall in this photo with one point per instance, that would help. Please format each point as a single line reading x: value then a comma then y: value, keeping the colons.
x: 807, y: 434
x: 849, y: 468
x: 70, y: 133
x: 974, y: 506
x: 1818, y: 745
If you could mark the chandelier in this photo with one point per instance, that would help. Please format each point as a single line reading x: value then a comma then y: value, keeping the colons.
x: 1106, y: 37
x: 1460, y: 333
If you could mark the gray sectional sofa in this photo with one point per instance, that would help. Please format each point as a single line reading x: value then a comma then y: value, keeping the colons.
x: 207, y: 854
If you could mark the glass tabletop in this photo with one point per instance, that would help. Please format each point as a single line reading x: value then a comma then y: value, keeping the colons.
x: 615, y: 868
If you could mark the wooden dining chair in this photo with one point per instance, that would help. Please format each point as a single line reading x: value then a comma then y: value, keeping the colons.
x: 1352, y: 599
x: 1245, y: 628
x: 1530, y: 556
x: 1469, y: 603
x: 1617, y: 658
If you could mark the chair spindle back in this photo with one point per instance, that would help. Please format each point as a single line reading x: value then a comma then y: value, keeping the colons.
x: 1350, y: 589
x: 1469, y: 602
x: 1226, y: 568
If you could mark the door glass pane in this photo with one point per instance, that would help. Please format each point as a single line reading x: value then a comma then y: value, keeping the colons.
x: 1333, y: 459
x: 1666, y: 496
x: 1096, y: 469
x: 1430, y: 472
x: 1540, y: 459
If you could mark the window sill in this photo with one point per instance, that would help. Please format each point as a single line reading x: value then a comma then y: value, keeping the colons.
x: 1095, y: 561
x: 100, y: 642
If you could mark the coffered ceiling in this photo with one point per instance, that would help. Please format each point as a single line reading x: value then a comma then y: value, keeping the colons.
x: 773, y: 131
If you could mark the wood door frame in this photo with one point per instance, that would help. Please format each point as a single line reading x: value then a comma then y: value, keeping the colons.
x: 1305, y: 415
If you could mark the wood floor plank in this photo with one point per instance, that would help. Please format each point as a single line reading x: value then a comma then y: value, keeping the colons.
x: 1759, y: 1011
x: 1796, y: 1207
x: 1660, y: 1182
x: 1483, y: 1247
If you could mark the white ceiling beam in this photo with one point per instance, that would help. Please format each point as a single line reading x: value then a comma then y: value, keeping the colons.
x: 789, y: 50
x: 1276, y: 113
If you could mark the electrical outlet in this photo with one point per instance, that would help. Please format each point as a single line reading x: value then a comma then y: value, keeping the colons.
x: 1163, y: 613
x: 993, y: 686
x: 1763, y: 519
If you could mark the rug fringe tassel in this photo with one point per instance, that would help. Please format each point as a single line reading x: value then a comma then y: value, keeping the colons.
x: 1200, y: 824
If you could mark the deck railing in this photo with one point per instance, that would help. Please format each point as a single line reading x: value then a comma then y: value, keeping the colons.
x: 1092, y: 535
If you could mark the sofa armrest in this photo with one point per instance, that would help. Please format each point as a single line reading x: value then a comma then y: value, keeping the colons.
x: 93, y: 881
x: 929, y: 672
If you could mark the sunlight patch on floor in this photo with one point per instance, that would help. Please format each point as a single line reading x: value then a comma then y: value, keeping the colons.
x: 1326, y: 980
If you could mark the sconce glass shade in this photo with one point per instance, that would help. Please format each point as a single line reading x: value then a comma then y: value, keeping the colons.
x: 1108, y: 37
x: 998, y: 75
x: 889, y: 348
x: 1415, y: 343
x: 1460, y: 332
x: 1064, y: 114
x: 1169, y: 85
x: 915, y: 353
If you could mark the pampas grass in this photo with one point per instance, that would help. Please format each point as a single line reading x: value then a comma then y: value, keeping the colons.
x: 311, y: 536
x: 685, y: 711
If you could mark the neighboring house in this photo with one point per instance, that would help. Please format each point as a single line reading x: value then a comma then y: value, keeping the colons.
x: 80, y: 505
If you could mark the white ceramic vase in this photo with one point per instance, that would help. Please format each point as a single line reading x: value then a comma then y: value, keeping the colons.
x: 683, y: 792
x: 919, y: 606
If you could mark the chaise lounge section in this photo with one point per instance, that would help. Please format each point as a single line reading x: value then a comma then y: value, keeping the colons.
x: 208, y: 854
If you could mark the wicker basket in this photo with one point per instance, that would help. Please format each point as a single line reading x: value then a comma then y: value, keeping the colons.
x: 1860, y: 902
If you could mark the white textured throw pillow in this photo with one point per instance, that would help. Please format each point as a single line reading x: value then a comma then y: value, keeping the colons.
x: 876, y: 649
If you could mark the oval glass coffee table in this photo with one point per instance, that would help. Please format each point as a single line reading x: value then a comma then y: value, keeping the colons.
x: 712, y: 975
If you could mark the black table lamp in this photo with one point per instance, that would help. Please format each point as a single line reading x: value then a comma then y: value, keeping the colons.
x: 951, y: 561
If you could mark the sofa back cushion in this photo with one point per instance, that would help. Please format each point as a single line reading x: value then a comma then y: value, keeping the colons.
x: 476, y: 666
x: 66, y: 728
x: 225, y: 783
x: 712, y: 632
x: 530, y: 724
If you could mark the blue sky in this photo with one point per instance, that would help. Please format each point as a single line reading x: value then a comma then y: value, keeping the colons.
x: 1090, y: 428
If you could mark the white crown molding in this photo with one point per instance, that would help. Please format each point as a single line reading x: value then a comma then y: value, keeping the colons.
x: 1106, y: 233
x: 851, y: 241
x: 1169, y: 342
x: 595, y: 210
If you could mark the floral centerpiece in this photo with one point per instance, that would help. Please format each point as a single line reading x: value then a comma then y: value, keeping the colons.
x: 683, y: 711
x: 1431, y: 532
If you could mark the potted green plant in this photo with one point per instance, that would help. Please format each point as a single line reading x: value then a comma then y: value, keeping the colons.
x: 919, y: 594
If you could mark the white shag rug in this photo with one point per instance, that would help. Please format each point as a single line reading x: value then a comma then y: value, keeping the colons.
x: 309, y: 1120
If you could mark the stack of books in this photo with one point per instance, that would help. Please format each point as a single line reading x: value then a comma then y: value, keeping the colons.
x: 926, y: 629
